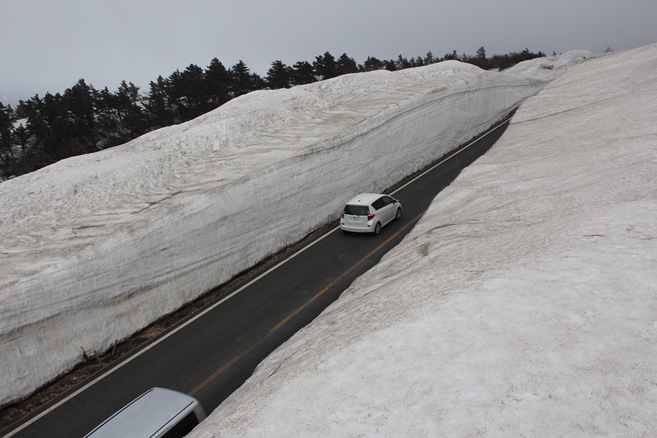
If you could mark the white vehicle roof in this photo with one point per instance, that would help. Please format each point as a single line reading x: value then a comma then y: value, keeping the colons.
x: 147, y: 415
x: 365, y: 198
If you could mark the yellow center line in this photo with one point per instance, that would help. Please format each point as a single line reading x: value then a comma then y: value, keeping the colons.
x: 218, y: 303
x: 314, y: 298
x: 218, y: 372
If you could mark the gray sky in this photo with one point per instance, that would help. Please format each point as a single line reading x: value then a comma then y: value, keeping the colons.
x: 48, y: 45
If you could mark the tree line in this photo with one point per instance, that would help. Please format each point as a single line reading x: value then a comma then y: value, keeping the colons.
x: 44, y: 130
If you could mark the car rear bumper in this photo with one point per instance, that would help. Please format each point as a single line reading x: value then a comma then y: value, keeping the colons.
x: 358, y: 229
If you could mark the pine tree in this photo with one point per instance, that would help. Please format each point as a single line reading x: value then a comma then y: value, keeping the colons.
x: 175, y: 95
x: 218, y: 83
x: 194, y: 91
x: 243, y: 81
x: 278, y: 75
x: 131, y: 117
x: 429, y: 59
x: 79, y: 128
x: 7, y: 157
x: 158, y: 104
x: 346, y: 65
x: 481, y: 60
x: 325, y: 66
x: 25, y: 164
x: 51, y: 130
x: 106, y: 106
x: 402, y: 63
x: 372, y: 64
x: 302, y: 73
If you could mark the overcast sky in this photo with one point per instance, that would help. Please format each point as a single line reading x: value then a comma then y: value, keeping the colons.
x: 48, y: 45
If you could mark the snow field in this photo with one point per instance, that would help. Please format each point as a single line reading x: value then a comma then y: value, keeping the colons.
x: 96, y: 247
x: 524, y: 303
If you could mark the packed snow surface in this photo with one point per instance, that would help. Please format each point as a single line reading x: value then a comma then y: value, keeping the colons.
x: 524, y: 303
x: 96, y: 247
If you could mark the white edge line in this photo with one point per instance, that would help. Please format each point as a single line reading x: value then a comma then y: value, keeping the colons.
x: 218, y: 303
x: 447, y: 157
x: 164, y: 337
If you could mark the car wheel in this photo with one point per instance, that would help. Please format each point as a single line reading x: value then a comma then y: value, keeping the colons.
x: 398, y: 215
x: 377, y: 228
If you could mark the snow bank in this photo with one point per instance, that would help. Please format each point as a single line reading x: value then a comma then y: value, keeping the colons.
x: 524, y: 303
x: 98, y: 246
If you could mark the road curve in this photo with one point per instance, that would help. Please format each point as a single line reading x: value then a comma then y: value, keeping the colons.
x: 212, y: 352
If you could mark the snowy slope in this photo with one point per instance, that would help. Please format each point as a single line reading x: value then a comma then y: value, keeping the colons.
x: 98, y: 246
x: 524, y: 303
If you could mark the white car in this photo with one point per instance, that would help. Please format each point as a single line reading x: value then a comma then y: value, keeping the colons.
x: 369, y: 212
x: 157, y: 413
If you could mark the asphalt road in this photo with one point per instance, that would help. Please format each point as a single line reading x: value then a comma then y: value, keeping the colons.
x: 212, y: 352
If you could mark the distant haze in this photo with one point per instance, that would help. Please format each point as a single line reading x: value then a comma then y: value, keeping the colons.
x: 47, y: 46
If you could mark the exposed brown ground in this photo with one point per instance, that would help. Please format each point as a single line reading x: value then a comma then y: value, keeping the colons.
x: 92, y: 364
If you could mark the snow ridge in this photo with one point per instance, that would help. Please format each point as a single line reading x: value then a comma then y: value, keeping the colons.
x: 98, y: 246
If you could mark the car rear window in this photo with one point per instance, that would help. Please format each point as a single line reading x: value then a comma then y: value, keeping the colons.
x: 378, y: 204
x: 357, y: 210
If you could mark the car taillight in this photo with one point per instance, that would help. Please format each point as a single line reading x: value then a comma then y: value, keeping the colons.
x: 342, y: 215
x: 370, y: 217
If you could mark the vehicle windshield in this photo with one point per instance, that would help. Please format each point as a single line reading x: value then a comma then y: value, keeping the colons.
x: 357, y: 210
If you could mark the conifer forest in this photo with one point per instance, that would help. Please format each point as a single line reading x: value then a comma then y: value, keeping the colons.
x: 85, y: 119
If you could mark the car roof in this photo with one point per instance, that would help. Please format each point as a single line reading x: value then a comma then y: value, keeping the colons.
x: 146, y: 415
x: 365, y: 198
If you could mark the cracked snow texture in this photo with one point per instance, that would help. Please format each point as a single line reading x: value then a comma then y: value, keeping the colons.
x: 97, y: 247
x: 524, y: 302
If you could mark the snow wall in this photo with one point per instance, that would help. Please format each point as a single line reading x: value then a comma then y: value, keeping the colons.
x: 96, y: 247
